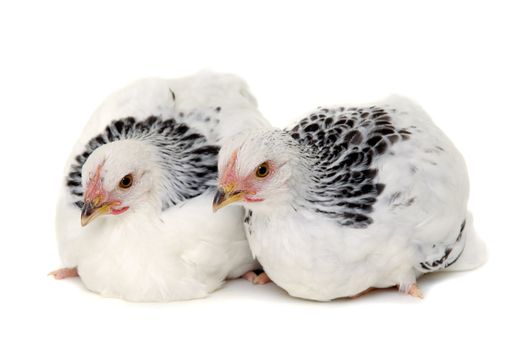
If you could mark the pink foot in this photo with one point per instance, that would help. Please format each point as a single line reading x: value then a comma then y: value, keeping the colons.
x: 262, y: 279
x: 415, y: 291
x: 412, y: 290
x: 252, y: 277
x: 66, y: 272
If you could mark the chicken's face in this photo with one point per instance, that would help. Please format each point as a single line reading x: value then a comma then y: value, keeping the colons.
x: 255, y: 168
x: 116, y: 177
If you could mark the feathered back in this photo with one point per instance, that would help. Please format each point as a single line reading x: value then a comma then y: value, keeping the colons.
x: 343, y: 144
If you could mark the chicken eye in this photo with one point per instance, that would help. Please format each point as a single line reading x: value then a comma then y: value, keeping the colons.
x: 126, y: 181
x: 262, y: 170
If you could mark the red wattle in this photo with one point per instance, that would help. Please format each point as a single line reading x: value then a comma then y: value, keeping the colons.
x: 249, y: 199
x: 119, y: 211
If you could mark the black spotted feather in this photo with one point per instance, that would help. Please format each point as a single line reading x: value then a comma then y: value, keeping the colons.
x: 342, y: 144
x: 188, y: 158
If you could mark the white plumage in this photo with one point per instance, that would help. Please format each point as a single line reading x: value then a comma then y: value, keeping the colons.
x: 351, y: 198
x: 163, y: 243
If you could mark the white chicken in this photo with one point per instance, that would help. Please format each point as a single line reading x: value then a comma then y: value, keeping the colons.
x: 352, y: 198
x: 134, y: 219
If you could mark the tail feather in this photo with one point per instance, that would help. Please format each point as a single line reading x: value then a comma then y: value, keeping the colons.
x: 475, y: 251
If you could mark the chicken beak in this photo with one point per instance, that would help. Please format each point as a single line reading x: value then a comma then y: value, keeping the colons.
x: 225, y: 196
x: 90, y: 211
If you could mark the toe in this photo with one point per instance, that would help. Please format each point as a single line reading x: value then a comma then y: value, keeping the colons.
x: 262, y: 279
x: 415, y: 291
x: 64, y: 273
x: 250, y: 276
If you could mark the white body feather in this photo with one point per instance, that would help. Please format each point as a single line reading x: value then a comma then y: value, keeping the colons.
x: 185, y: 251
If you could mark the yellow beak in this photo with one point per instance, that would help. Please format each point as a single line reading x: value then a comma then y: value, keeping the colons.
x: 90, y: 211
x: 225, y: 196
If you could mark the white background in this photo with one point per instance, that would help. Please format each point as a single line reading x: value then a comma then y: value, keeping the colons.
x: 465, y: 62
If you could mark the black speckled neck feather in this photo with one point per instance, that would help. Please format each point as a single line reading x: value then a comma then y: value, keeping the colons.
x: 189, y: 160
